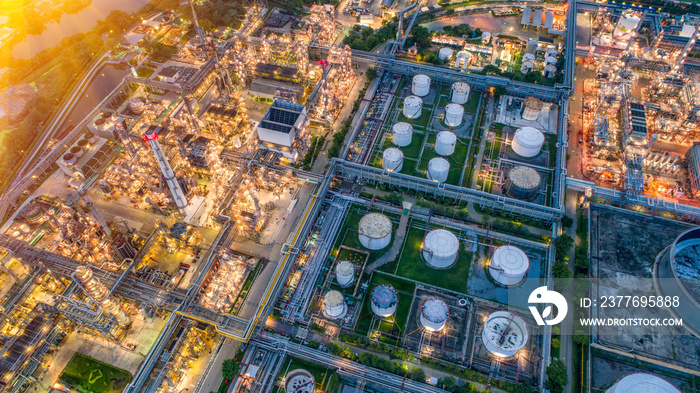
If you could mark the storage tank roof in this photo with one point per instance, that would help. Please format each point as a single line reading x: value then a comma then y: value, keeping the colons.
x: 453, y: 108
x: 413, y: 100
x: 438, y: 164
x: 384, y: 296
x: 442, y: 243
x: 447, y: 137
x: 392, y: 154
x: 421, y: 78
x: 525, y: 177
x: 402, y: 128
x: 533, y: 103
x: 435, y: 310
x: 504, y: 333
x: 333, y: 299
x: 642, y: 383
x: 461, y: 87
x: 529, y: 137
x: 510, y: 260
x: 345, y: 268
x: 375, y: 225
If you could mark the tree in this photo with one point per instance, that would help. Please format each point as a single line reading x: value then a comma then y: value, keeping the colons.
x: 450, y: 12
x: 557, y: 376
x: 478, y: 32
x: 562, y: 245
x: 560, y: 269
x: 492, y: 69
x: 230, y: 368
x: 417, y: 374
x: 499, y: 91
x: 449, y: 384
x: 567, y: 221
x: 581, y: 339
x: 556, y: 343
x: 421, y: 35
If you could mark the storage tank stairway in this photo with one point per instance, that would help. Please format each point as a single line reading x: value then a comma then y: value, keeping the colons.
x: 393, y: 252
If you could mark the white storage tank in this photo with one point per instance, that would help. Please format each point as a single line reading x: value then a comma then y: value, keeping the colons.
x: 402, y: 134
x: 384, y: 301
x: 299, y: 381
x: 91, y: 138
x: 642, y: 383
x: 412, y: 106
x: 440, y: 248
x: 528, y: 142
x: 445, y: 54
x: 552, y: 52
x: 392, y: 159
x: 69, y: 159
x: 509, y: 265
x: 345, y: 273
x: 485, y: 37
x: 529, y: 57
x: 434, y: 314
x: 453, y: 115
x: 527, y: 66
x: 375, y: 231
x: 463, y: 59
x: 532, y: 108
x: 334, y: 306
x: 77, y: 151
x: 550, y: 60
x: 438, y: 169
x: 504, y: 334
x: 421, y: 85
x: 460, y: 92
x: 445, y: 143
x: 549, y: 71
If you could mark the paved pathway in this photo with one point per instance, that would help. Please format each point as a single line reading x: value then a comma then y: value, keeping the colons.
x: 393, y: 252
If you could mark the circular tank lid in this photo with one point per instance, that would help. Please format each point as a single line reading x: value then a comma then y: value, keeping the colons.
x: 421, y: 79
x: 375, y: 225
x: 460, y: 87
x: 510, y: 260
x: 442, y: 243
x: 413, y: 100
x: 384, y: 296
x: 505, y: 331
x: 533, y: 103
x: 68, y: 156
x: 685, y: 262
x: 525, y: 177
x: 392, y: 154
x: 455, y: 109
x: 345, y: 268
x: 528, y: 57
x: 435, y: 310
x: 447, y: 137
x: 75, y: 149
x: 642, y: 383
x: 550, y: 67
x: 530, y: 137
x: 402, y: 128
x: 100, y: 121
x: 333, y: 299
x: 83, y: 142
x: 446, y: 51
x: 438, y: 164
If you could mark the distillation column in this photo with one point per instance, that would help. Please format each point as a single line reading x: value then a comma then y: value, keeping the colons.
x: 96, y: 214
x: 151, y: 136
x: 97, y: 291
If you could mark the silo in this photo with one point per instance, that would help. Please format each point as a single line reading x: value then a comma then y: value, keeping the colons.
x: 642, y: 383
x: 529, y: 57
x: 412, y: 106
x: 83, y: 143
x: 421, y: 85
x: 549, y: 71
x: 438, y: 169
x: 527, y: 66
x: 532, y: 108
x: 531, y: 45
x: 392, y: 159
x: 509, y: 265
x: 550, y: 60
x: 299, y: 381
x: 345, y: 273
x: 69, y: 159
x: 463, y: 59
x: 92, y: 138
x: 460, y: 92
x: 445, y: 54
x: 77, y: 151
x: 434, y: 314
x: 528, y: 142
x: 375, y: 231
x: 384, y: 301
x: 453, y: 115
x: 504, y: 334
x: 445, y: 143
x: 402, y: 134
x: 523, y: 182
x: 485, y: 37
x: 440, y: 248
x: 334, y: 305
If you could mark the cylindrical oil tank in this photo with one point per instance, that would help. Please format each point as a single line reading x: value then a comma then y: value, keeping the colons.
x: 453, y: 115
x: 100, y: 124
x: 384, y: 301
x: 460, y: 93
x: 485, y: 37
x: 445, y: 54
x: 445, y: 143
x: 523, y: 182
x: 77, y: 151
x: 550, y: 60
x: 550, y: 71
x: 402, y: 134
x: 136, y: 105
x: 531, y: 45
x: 299, y: 381
x: 532, y: 108
x: 438, y: 169
x: 528, y: 142
x: 392, y: 159
x: 504, y: 334
x: 642, y: 383
x: 421, y: 85
x: 509, y: 265
x: 334, y: 306
x: 345, y: 273
x: 92, y: 138
x: 375, y: 231
x: 529, y: 57
x: 70, y: 159
x: 527, y: 66
x: 412, y: 106
x: 462, y: 59
x: 551, y: 52
x: 83, y: 143
x: 440, y: 248
x: 434, y: 314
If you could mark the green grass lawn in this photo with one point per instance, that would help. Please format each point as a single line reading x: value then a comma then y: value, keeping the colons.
x: 473, y: 102
x: 456, y: 160
x: 93, y: 376
x: 412, y: 266
x: 398, y: 321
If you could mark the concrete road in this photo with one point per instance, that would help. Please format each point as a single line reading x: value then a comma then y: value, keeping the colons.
x: 213, y: 377
x: 566, y: 350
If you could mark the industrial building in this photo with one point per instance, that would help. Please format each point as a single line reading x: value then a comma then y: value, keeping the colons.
x: 284, y: 128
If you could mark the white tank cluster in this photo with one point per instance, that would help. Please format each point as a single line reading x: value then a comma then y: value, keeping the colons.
x: 463, y: 59
x: 532, y: 108
x: 504, y: 334
x: 642, y: 383
x: 334, y: 306
x: 392, y: 159
x: 434, y: 314
x: 445, y: 143
x: 528, y: 142
x: 460, y: 93
x: 453, y: 115
x: 440, y: 248
x: 445, y: 54
x: 509, y: 265
x: 412, y: 107
x: 345, y: 273
x: 375, y: 231
x: 421, y: 85
x: 384, y: 301
x: 299, y: 381
x: 402, y: 134
x: 438, y: 169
